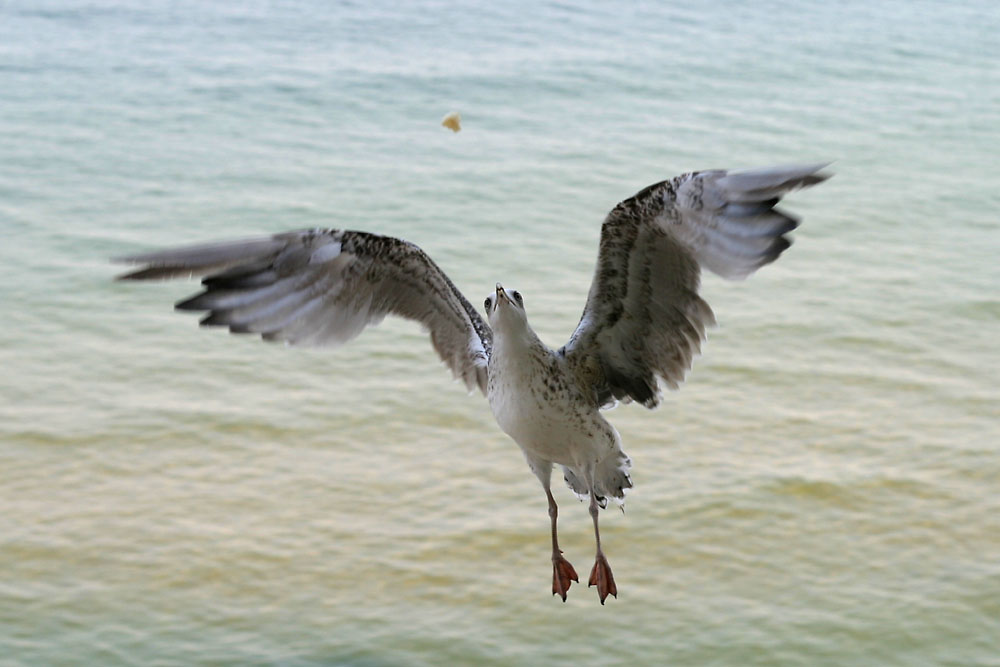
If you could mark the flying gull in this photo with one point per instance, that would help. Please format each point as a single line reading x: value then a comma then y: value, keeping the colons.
x: 642, y: 324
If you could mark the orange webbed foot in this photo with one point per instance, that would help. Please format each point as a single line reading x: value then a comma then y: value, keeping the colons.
x: 562, y: 574
x: 601, y: 577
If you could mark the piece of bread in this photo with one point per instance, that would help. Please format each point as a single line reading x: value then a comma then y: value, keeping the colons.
x: 453, y: 121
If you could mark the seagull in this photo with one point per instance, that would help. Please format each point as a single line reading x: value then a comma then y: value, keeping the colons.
x: 642, y: 324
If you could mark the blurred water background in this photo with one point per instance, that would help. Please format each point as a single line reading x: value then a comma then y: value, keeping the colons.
x: 824, y: 490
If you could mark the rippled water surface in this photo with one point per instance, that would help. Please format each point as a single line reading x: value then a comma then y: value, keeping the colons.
x: 824, y: 490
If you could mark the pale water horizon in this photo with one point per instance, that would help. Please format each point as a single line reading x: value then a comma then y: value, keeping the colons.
x: 823, y: 490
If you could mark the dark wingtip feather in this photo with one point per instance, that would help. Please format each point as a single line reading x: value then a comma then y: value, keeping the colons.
x: 217, y: 318
x: 814, y: 179
x: 186, y: 261
x: 192, y: 303
x: 155, y: 273
x: 768, y: 182
x: 255, y: 274
x: 792, y: 223
x: 781, y: 244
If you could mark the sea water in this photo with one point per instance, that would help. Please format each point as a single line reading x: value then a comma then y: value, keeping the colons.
x: 825, y: 488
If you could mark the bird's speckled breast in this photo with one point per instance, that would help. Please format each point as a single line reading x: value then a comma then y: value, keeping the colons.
x: 536, y: 403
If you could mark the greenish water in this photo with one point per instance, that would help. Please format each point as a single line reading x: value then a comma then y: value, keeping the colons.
x: 824, y: 490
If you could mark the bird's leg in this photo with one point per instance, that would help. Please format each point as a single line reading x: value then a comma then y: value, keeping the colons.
x: 601, y: 575
x: 562, y: 571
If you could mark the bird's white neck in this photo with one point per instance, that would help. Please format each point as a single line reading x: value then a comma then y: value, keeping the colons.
x: 514, y: 339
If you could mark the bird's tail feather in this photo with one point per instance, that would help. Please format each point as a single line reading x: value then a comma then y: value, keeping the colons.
x: 611, y: 479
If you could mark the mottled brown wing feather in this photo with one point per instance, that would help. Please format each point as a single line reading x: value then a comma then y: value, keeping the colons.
x: 644, y: 321
x: 317, y: 287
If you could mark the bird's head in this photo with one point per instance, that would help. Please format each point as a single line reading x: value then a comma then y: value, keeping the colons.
x: 505, y: 309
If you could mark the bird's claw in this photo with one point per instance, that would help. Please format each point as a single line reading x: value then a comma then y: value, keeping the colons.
x: 601, y: 577
x: 562, y: 574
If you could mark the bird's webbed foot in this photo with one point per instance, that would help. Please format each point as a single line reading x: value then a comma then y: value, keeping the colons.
x: 562, y: 574
x: 601, y: 577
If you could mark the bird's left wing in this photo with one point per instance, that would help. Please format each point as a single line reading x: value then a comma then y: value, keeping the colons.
x: 323, y: 287
x: 644, y: 321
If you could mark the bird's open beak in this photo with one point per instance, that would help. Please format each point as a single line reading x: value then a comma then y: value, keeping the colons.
x: 502, y: 293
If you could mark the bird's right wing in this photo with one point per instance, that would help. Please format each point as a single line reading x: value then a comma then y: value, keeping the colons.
x: 316, y: 287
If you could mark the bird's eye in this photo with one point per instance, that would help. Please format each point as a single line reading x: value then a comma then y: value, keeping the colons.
x: 488, y: 303
x: 517, y: 297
